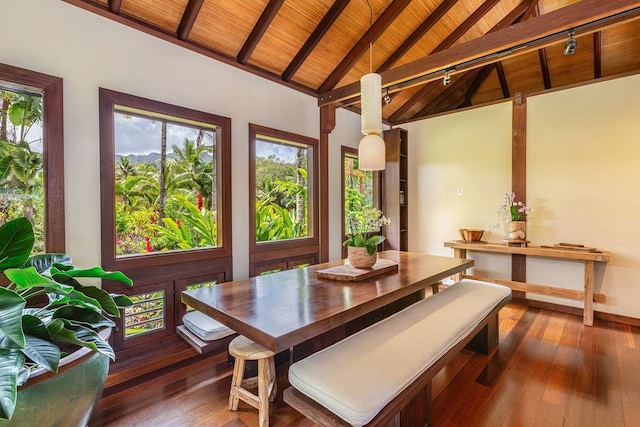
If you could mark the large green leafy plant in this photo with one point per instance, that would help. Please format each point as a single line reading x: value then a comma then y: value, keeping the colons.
x: 68, y: 313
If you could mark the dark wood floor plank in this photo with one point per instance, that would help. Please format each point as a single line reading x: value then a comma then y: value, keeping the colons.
x: 548, y: 371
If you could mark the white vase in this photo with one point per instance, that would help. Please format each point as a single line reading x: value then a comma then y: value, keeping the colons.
x: 360, y: 258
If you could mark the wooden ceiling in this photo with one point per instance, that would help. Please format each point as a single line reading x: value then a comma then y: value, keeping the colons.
x: 491, y: 49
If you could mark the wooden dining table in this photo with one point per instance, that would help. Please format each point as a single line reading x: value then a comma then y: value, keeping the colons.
x: 284, y: 309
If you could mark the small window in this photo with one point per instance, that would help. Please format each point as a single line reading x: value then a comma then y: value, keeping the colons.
x: 283, y: 198
x: 359, y: 188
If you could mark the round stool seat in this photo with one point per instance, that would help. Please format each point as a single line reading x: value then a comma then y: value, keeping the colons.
x: 244, y: 348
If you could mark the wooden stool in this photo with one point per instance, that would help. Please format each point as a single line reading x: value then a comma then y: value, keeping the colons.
x: 243, y: 349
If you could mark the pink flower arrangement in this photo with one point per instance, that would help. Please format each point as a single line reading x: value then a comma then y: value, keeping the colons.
x: 517, y: 210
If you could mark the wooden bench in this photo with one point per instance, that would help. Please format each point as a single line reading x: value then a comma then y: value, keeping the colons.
x: 369, y: 377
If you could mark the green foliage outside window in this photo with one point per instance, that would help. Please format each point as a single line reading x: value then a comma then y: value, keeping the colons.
x: 21, y: 161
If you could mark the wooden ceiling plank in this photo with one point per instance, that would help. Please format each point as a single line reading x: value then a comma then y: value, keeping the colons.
x: 509, y: 19
x: 466, y: 25
x: 114, y: 6
x: 426, y: 25
x: 259, y: 29
x: 327, y: 20
x: 189, y: 18
x: 597, y: 54
x: 376, y: 30
x: 480, y: 78
x: 485, y: 50
x: 503, y: 80
x: 531, y: 10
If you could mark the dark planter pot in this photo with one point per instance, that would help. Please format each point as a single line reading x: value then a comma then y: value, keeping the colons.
x: 66, y: 398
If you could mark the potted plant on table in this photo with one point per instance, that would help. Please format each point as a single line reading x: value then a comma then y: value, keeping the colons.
x: 517, y: 213
x: 45, y: 315
x: 362, y: 242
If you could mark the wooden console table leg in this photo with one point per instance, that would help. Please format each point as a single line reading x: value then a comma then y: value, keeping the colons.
x: 462, y: 254
x: 588, y: 293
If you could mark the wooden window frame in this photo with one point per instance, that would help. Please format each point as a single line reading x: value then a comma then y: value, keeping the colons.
x: 52, y: 147
x: 353, y: 152
x: 262, y: 252
x: 173, y: 261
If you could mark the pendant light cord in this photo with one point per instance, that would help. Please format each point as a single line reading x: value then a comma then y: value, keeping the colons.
x: 370, y: 37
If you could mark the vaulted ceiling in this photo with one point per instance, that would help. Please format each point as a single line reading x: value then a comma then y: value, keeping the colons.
x: 490, y: 49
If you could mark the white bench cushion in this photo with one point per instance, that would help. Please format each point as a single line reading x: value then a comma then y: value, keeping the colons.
x: 356, y: 377
x: 204, y: 327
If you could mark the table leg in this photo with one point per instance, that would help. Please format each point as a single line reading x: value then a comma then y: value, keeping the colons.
x: 588, y: 292
x: 462, y: 254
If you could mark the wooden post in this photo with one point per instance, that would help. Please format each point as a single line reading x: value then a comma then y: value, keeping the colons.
x: 327, y: 124
x: 588, y: 293
x: 519, y: 177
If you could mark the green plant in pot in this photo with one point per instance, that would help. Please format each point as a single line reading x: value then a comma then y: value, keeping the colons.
x: 45, y: 312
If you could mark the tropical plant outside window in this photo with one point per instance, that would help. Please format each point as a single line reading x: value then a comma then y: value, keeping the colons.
x: 21, y: 160
x: 165, y: 187
x: 358, y: 188
x: 281, y: 182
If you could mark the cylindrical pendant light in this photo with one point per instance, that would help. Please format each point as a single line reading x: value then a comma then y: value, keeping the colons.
x: 371, y: 105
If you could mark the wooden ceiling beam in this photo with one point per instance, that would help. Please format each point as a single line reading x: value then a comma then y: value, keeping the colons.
x: 354, y: 55
x: 544, y: 67
x: 503, y: 80
x: 520, y: 38
x: 453, y: 87
x: 542, y: 55
x: 318, y: 33
x: 509, y: 19
x: 426, y: 25
x: 189, y: 18
x: 114, y: 6
x: 597, y: 54
x: 258, y: 30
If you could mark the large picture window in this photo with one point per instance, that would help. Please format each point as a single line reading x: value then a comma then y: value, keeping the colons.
x: 31, y: 154
x: 163, y: 196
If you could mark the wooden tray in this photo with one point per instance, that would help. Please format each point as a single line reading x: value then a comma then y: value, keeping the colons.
x: 349, y: 273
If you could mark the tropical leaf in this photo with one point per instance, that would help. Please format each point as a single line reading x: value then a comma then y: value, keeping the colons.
x: 16, y: 242
x: 11, y: 306
x: 42, y: 352
x: 63, y: 331
x: 11, y: 362
x: 83, y: 316
x: 43, y: 262
x: 59, y: 270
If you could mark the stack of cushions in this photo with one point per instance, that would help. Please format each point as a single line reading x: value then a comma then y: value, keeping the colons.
x: 204, y: 327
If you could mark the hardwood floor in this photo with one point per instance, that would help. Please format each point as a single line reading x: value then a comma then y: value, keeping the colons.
x: 549, y: 370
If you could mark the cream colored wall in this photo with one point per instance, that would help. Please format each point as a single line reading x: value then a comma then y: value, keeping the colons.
x: 582, y: 183
x: 89, y: 52
x: 583, y: 146
x: 471, y: 151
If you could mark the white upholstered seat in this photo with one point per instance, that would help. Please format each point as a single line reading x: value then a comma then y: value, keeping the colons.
x: 386, y: 357
x: 204, y: 327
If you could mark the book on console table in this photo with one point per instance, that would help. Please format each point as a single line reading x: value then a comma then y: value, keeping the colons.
x: 349, y: 273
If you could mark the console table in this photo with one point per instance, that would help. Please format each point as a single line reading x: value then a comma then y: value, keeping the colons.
x: 589, y: 259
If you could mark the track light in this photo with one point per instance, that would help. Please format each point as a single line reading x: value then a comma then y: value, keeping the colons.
x: 447, y: 78
x: 570, y: 45
x: 387, y: 98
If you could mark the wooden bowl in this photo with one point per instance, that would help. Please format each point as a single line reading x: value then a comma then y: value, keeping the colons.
x: 471, y: 234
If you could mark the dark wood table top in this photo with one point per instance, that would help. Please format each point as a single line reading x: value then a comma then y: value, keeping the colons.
x: 287, y: 308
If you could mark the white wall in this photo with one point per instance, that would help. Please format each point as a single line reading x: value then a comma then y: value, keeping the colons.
x: 89, y: 51
x: 471, y: 151
x: 582, y: 184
